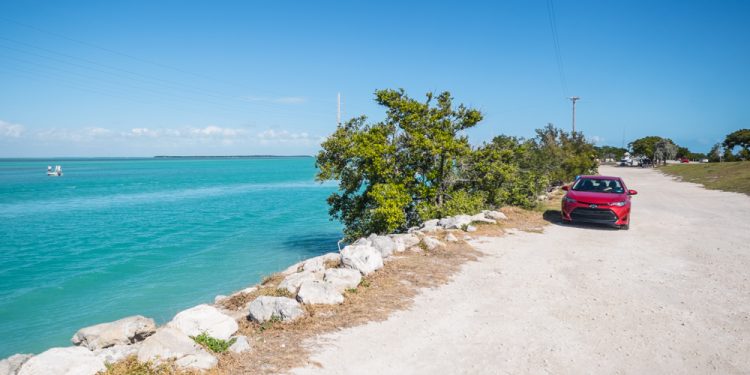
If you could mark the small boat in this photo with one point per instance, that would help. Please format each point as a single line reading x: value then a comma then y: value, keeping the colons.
x: 54, y: 172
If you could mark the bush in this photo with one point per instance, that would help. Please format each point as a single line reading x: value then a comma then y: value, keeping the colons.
x: 213, y: 344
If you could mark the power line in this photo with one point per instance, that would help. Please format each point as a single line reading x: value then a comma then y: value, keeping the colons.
x: 556, y: 44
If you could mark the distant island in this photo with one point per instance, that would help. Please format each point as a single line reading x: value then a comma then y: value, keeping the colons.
x: 229, y: 156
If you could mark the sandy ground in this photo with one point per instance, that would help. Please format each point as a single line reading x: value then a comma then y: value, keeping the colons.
x: 671, y: 295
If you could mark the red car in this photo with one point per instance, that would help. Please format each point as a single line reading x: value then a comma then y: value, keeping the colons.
x: 599, y: 200
x: 684, y: 160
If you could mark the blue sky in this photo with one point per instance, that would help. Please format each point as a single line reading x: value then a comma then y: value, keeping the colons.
x: 141, y: 78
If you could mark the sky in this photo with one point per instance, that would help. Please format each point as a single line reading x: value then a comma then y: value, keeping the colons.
x: 144, y: 78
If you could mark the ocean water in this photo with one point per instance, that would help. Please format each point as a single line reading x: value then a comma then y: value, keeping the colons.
x: 118, y: 237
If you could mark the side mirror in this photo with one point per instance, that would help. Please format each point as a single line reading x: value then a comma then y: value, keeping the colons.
x: 632, y: 192
x: 566, y: 187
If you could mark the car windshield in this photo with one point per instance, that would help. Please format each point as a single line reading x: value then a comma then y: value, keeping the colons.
x: 599, y: 185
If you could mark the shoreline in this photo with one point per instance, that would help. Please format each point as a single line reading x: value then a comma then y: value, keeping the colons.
x: 236, y: 305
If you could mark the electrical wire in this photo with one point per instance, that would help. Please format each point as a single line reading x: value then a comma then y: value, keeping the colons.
x: 556, y: 44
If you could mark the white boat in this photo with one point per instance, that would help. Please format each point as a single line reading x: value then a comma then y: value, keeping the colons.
x: 54, y: 172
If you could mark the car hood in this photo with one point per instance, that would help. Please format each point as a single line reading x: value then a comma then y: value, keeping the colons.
x: 596, y: 198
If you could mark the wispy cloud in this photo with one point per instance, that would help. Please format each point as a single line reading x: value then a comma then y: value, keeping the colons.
x: 277, y: 100
x: 8, y: 130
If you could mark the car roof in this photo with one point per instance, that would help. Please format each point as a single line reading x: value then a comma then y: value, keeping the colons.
x: 597, y: 177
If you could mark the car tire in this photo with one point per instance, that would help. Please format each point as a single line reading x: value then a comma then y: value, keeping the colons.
x: 625, y: 226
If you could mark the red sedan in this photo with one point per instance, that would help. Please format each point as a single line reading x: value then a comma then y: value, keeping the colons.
x: 599, y: 200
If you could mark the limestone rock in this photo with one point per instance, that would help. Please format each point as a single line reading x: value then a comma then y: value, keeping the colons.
x: 265, y: 307
x: 343, y: 278
x: 119, y: 332
x: 451, y: 238
x: 199, y: 361
x: 117, y: 353
x: 430, y: 225
x: 240, y: 345
x: 365, y: 259
x: 292, y: 282
x: 204, y: 318
x: 362, y: 242
x: 171, y: 343
x: 294, y: 268
x: 432, y: 243
x: 495, y: 215
x: 73, y: 360
x: 11, y: 365
x: 319, y: 293
x: 471, y: 228
x: 384, y: 244
x: 481, y: 218
x: 318, y: 263
x: 455, y: 222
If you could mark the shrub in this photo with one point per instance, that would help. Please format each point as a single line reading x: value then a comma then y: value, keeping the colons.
x: 213, y: 344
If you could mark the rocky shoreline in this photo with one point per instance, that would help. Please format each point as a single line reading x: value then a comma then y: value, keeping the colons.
x: 321, y: 280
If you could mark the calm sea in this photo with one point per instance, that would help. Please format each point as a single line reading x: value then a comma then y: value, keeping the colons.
x: 117, y: 237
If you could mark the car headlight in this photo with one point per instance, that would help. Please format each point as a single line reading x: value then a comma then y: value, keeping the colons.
x: 619, y: 204
x: 568, y: 200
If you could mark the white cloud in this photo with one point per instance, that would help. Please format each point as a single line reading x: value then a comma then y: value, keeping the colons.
x: 284, y: 136
x: 10, y: 130
x: 597, y: 140
x: 216, y: 131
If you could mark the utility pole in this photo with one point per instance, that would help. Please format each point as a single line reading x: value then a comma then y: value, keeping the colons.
x: 338, y: 109
x: 574, y: 99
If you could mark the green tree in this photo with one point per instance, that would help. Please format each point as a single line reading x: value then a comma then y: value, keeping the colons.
x: 390, y: 171
x: 645, y: 146
x: 739, y: 138
x: 610, y: 152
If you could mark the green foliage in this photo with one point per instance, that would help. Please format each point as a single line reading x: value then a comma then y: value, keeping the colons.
x: 645, y: 146
x: 610, y: 152
x: 213, y: 344
x: 459, y: 202
x: 739, y: 138
x: 386, y: 169
x: 416, y: 165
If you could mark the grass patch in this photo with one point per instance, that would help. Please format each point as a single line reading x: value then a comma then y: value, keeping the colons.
x: 213, y: 344
x: 131, y: 366
x: 729, y: 176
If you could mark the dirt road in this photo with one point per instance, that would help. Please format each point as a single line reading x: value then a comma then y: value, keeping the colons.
x: 671, y: 295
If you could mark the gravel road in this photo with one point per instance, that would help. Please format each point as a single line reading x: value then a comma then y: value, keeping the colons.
x: 671, y: 295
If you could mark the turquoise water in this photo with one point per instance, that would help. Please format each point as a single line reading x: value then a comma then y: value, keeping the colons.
x: 117, y: 237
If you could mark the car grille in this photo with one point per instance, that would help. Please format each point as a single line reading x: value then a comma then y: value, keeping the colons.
x: 593, y: 214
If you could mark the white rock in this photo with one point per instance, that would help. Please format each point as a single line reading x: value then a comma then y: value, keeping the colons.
x: 404, y: 241
x: 455, y: 222
x: 451, y: 238
x: 384, y: 244
x: 432, y: 243
x: 319, y: 293
x: 362, y: 242
x: 495, y: 215
x: 73, y: 360
x: 471, y: 228
x: 318, y: 264
x: 430, y: 225
x: 220, y: 298
x: 171, y: 343
x: 204, y: 318
x: 480, y: 218
x: 240, y: 345
x: 343, y: 278
x: 119, y: 332
x: 294, y: 268
x: 117, y: 353
x: 292, y: 282
x: 365, y: 259
x: 11, y: 365
x: 265, y: 307
x: 199, y: 361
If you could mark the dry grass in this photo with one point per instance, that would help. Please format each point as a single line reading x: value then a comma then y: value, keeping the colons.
x: 278, y: 347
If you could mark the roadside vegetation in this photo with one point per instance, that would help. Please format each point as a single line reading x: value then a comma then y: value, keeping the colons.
x: 730, y: 176
x: 417, y: 164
